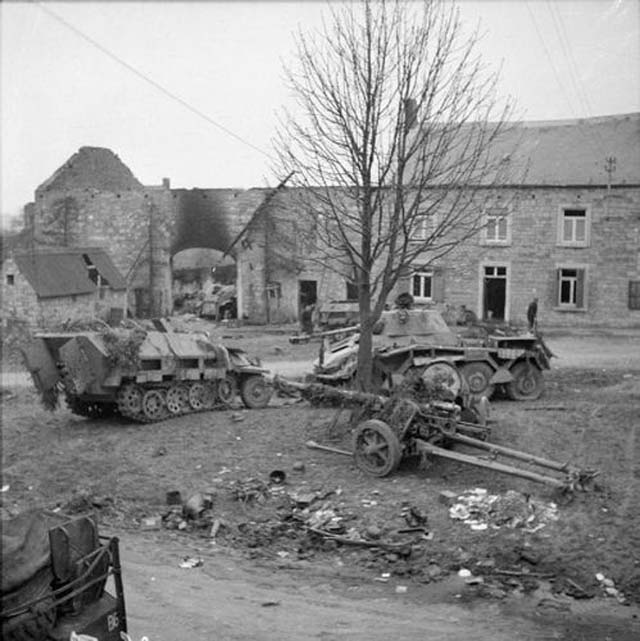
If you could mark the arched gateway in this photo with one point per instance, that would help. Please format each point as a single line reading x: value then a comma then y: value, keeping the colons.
x: 94, y: 199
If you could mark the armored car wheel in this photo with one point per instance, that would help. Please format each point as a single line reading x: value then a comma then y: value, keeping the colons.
x: 478, y: 375
x: 376, y: 448
x: 178, y: 399
x: 445, y: 374
x: 255, y: 392
x: 527, y: 383
x: 153, y: 405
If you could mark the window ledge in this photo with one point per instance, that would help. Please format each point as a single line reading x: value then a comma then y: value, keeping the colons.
x: 496, y: 243
x: 574, y: 245
x: 578, y: 310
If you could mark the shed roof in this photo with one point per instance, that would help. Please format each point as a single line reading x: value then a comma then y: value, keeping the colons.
x: 63, y: 271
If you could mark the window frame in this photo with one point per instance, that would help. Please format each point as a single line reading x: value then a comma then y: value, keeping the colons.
x: 10, y: 280
x: 562, y: 213
x: 581, y: 279
x: 423, y: 274
x: 496, y: 241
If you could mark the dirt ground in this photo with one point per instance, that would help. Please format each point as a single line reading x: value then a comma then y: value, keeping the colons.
x: 266, y: 576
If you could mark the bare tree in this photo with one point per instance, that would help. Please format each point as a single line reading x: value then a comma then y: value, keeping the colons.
x: 395, y: 143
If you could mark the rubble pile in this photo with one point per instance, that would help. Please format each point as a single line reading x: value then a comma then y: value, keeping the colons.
x: 481, y: 510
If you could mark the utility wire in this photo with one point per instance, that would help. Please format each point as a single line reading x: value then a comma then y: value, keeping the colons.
x: 147, y: 79
x: 596, y: 147
x: 565, y: 43
x: 551, y: 64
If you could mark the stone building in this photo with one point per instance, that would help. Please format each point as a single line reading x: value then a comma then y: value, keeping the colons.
x: 45, y: 287
x: 569, y: 233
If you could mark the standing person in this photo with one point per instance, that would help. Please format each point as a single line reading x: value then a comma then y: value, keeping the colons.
x: 532, y: 314
x: 307, y: 318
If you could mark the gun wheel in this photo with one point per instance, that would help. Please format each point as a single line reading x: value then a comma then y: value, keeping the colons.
x: 178, y: 399
x: 153, y: 405
x: 376, y: 448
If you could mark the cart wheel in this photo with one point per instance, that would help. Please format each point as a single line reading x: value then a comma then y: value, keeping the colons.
x: 478, y: 375
x: 255, y: 392
x: 527, y: 383
x: 376, y: 448
x: 445, y: 374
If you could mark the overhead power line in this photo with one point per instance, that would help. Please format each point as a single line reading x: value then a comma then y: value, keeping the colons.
x: 147, y: 79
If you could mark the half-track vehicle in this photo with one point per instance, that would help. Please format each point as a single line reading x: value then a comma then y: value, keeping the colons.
x: 418, y: 342
x: 142, y: 375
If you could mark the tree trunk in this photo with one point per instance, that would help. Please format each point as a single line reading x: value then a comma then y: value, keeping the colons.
x: 365, y: 346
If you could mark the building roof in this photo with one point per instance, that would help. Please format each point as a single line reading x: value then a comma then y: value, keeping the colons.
x: 557, y: 153
x: 575, y: 152
x: 92, y: 168
x: 63, y: 271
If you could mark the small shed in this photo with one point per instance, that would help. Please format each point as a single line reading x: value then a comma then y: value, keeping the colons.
x: 46, y: 286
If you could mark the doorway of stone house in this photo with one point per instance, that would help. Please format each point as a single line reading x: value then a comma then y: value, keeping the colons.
x: 307, y: 294
x: 494, y: 292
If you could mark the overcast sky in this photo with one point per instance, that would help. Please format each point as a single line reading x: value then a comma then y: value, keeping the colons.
x: 561, y: 59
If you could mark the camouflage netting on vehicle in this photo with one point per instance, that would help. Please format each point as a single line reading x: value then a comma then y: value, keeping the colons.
x: 421, y: 391
x: 123, y: 347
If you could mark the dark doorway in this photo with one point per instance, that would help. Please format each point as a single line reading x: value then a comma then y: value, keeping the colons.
x: 308, y: 293
x: 494, y: 293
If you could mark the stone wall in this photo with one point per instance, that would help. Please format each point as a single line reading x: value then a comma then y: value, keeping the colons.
x: 531, y: 257
x: 20, y: 303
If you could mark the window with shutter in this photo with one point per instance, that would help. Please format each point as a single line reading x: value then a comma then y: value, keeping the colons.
x: 571, y: 287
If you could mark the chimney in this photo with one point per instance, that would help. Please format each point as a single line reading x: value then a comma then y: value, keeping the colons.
x: 166, y: 183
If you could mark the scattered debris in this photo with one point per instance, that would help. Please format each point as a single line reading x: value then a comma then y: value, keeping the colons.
x: 277, y: 477
x: 269, y: 604
x: 401, y: 589
x: 481, y: 510
x: 152, y: 523
x: 197, y: 504
x: 608, y: 587
x: 5, y: 488
x: 189, y: 562
x: 298, y: 466
x: 173, y: 497
x: 159, y: 451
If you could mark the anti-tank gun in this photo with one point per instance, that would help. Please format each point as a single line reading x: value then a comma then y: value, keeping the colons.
x: 386, y: 429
